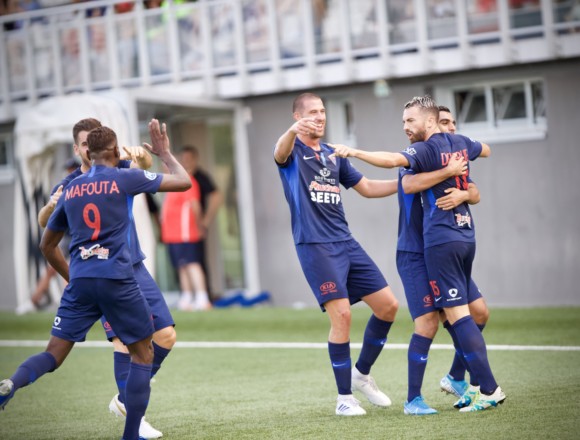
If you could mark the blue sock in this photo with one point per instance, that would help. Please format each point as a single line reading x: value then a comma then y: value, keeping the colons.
x: 136, y: 398
x: 475, y: 353
x: 341, y: 365
x: 417, y: 362
x: 458, y: 367
x: 458, y: 354
x: 374, y: 340
x: 159, y: 355
x: 121, y: 365
x: 32, y: 368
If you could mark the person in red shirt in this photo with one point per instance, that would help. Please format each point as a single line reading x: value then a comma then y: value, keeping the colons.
x: 182, y: 232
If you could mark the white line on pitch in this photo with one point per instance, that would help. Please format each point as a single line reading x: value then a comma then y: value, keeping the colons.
x: 300, y: 345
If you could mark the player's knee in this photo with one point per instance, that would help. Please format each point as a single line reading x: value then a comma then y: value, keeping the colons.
x: 427, y: 328
x: 479, y: 312
x: 389, y: 310
x: 165, y: 337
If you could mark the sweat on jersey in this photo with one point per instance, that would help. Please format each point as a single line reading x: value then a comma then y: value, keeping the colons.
x: 97, y: 209
x: 311, y: 185
x: 441, y: 226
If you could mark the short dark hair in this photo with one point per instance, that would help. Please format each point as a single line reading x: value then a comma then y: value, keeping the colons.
x: 190, y: 149
x: 442, y: 108
x: 426, y: 104
x: 101, y: 139
x: 87, y: 124
x: 298, y: 103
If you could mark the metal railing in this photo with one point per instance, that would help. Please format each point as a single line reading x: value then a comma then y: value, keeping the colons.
x: 93, y: 46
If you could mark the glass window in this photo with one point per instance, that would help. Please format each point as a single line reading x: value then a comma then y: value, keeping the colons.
x: 470, y: 105
x: 539, y: 103
x: 290, y: 28
x: 482, y: 16
x: 401, y: 21
x: 255, y: 18
x: 223, y: 34
x: 441, y: 19
x: 509, y: 102
x: 362, y: 16
x: 524, y: 13
x: 502, y: 112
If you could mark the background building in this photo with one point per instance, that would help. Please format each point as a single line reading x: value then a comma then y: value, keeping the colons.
x: 223, y: 73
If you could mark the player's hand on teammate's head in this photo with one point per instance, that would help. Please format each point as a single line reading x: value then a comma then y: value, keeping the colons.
x: 341, y: 150
x: 457, y: 165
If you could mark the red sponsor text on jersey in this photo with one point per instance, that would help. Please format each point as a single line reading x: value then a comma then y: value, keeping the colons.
x: 91, y: 188
x: 446, y: 156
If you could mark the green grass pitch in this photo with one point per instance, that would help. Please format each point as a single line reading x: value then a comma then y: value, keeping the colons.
x: 289, y: 393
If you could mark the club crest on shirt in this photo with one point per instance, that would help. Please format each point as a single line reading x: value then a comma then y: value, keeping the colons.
x: 94, y: 250
x: 463, y: 220
x: 149, y: 175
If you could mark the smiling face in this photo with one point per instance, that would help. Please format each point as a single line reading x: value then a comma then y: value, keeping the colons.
x: 446, y: 122
x: 313, y: 108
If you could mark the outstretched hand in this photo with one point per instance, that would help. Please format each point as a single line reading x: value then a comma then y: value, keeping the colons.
x: 341, y: 150
x: 305, y: 126
x: 159, y: 140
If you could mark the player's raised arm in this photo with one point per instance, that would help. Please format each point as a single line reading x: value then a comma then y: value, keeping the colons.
x: 383, y: 159
x: 371, y: 188
x: 285, y: 144
x: 485, y: 150
x: 178, y: 179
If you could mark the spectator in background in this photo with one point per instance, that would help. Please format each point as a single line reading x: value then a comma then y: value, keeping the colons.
x: 181, y: 230
x: 41, y: 296
x: 211, y: 199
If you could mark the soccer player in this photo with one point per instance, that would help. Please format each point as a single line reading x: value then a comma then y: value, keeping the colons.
x: 96, y: 209
x: 164, y: 337
x: 454, y: 382
x: 449, y: 236
x: 338, y: 270
x: 413, y: 273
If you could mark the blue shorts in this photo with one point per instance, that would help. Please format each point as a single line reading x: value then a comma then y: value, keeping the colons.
x: 150, y: 290
x: 449, y: 268
x: 182, y: 254
x: 85, y: 300
x: 339, y: 270
x: 413, y: 272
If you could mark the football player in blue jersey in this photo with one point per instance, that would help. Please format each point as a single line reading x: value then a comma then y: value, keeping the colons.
x: 448, y: 234
x: 338, y: 270
x: 454, y: 382
x: 164, y: 337
x: 96, y: 208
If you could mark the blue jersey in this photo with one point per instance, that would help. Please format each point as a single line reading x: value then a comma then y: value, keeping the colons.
x: 410, y: 218
x: 97, y: 209
x: 441, y: 226
x: 136, y: 254
x: 311, y: 185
